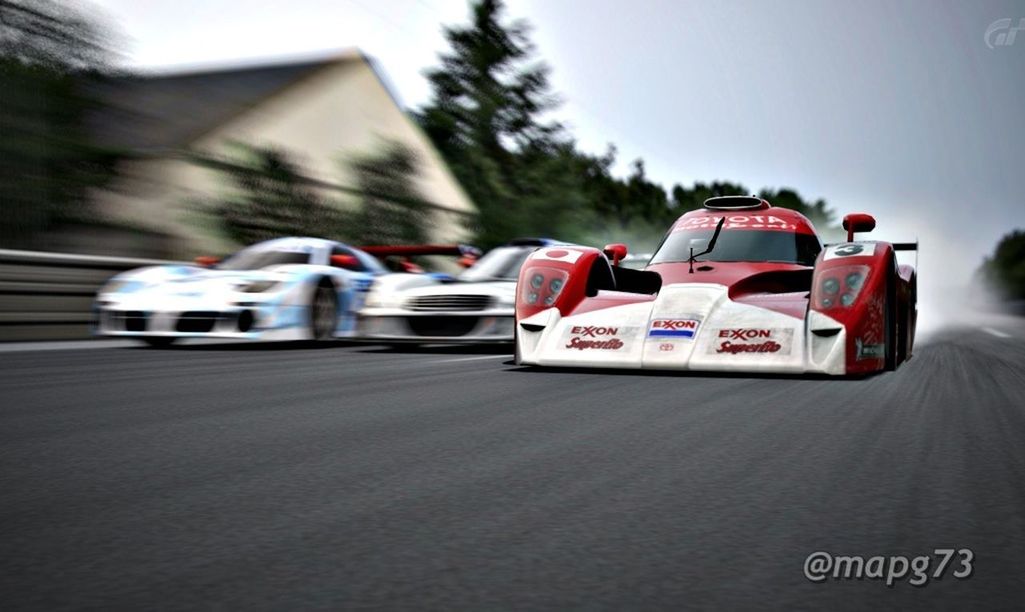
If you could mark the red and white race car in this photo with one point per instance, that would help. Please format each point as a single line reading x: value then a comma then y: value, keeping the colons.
x: 737, y: 286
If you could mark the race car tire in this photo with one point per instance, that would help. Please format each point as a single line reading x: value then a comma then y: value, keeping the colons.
x: 516, y: 343
x: 159, y: 341
x: 890, y: 325
x: 323, y: 311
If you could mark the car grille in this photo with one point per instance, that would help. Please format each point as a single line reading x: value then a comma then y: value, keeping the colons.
x: 442, y: 326
x: 449, y: 303
x: 196, y: 321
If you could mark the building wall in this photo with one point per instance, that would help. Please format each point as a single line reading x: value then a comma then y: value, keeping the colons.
x: 326, y: 119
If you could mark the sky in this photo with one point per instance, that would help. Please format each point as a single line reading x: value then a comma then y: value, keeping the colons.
x: 903, y: 110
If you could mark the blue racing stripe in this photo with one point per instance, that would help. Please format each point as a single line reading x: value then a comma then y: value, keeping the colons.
x: 685, y: 333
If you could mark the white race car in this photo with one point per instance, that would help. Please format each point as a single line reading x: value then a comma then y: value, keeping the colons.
x: 283, y: 289
x: 478, y: 306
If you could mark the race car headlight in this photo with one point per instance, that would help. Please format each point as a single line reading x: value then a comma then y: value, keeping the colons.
x: 377, y: 298
x: 259, y: 286
x: 543, y: 286
x: 119, y: 285
x: 839, y: 287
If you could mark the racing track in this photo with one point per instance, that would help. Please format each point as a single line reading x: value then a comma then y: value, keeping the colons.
x: 283, y: 478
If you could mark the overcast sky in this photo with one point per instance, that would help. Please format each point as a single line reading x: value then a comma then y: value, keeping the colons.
x: 898, y: 109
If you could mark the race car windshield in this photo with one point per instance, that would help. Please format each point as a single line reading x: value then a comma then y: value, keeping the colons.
x: 502, y: 263
x: 741, y: 245
x: 251, y: 259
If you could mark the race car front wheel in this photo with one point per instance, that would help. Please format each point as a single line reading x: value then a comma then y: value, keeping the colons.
x: 323, y: 312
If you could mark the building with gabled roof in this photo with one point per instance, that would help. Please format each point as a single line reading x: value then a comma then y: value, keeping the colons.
x: 323, y: 113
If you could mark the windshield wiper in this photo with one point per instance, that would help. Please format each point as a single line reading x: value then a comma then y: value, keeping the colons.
x: 711, y: 245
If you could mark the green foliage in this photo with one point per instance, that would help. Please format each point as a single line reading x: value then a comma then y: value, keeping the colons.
x: 487, y: 120
x: 48, y: 163
x: 1005, y: 269
x: 487, y: 117
x: 271, y: 199
x: 391, y: 211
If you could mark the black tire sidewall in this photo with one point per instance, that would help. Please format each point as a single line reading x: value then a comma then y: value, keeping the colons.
x: 322, y: 289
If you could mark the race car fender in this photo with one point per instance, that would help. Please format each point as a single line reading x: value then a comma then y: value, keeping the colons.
x: 557, y: 277
x: 854, y: 284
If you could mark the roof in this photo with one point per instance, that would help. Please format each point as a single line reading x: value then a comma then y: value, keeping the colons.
x: 767, y: 218
x: 167, y: 111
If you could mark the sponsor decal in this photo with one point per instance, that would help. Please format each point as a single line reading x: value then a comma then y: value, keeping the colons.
x: 851, y: 249
x: 593, y: 331
x: 581, y: 338
x: 762, y: 222
x: 569, y: 256
x: 737, y: 341
x: 612, y: 344
x: 673, y: 328
x: 666, y: 347
x: 869, y: 351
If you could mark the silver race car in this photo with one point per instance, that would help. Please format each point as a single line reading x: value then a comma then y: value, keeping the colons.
x: 478, y: 306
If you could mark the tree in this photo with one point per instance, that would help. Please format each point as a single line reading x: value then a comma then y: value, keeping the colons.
x: 48, y: 162
x: 486, y: 117
x: 392, y: 210
x: 1005, y: 269
x: 271, y: 199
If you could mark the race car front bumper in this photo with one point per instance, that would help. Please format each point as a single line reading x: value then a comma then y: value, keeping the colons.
x: 250, y: 323
x: 690, y: 327
x: 394, y: 325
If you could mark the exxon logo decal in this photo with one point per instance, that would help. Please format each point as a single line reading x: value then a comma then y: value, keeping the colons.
x: 673, y: 328
x: 593, y: 331
x: 745, y: 334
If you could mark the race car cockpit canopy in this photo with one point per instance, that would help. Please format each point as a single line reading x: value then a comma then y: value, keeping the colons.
x: 752, y: 231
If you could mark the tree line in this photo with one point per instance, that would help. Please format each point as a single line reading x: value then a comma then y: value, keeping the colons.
x: 490, y: 116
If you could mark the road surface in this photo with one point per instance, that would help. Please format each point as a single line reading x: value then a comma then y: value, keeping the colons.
x: 290, y: 477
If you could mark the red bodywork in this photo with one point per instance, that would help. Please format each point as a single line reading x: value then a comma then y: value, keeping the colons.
x: 882, y: 313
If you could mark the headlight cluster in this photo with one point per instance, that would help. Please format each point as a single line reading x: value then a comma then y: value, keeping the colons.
x: 839, y: 287
x: 543, y: 286
x: 120, y: 285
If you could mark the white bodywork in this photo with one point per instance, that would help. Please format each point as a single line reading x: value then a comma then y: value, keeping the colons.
x: 418, y: 308
x: 478, y: 306
x: 175, y: 301
x: 724, y: 336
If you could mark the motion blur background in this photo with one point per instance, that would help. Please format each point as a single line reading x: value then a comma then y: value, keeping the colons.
x: 172, y: 129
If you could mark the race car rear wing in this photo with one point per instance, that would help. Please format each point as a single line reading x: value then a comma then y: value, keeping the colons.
x: 412, y: 250
x: 396, y: 257
x: 897, y: 246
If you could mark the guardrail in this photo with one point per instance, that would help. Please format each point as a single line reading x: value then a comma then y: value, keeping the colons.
x: 49, y: 296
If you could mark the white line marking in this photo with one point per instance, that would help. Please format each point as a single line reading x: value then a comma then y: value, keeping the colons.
x: 64, y: 345
x: 79, y: 345
x: 473, y: 358
x: 996, y: 332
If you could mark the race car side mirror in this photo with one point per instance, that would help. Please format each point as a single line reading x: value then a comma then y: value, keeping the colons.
x: 616, y: 252
x: 858, y: 222
x: 344, y: 261
x: 207, y: 261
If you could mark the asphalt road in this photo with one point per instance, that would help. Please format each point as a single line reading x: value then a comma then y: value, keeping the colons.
x: 292, y: 477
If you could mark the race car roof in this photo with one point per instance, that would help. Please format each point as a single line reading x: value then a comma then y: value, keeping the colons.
x: 745, y: 213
